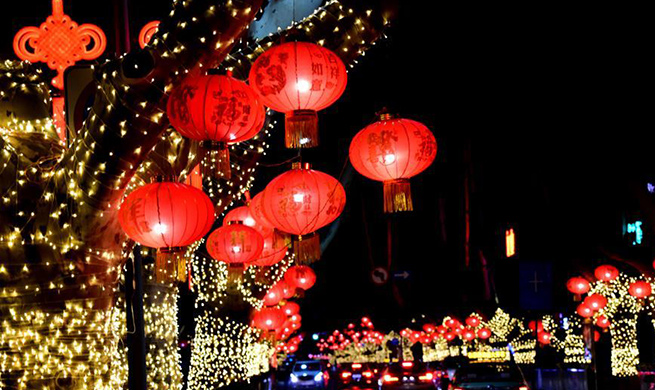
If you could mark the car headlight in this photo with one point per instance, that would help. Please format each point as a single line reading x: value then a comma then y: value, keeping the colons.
x: 318, y: 377
x: 294, y: 378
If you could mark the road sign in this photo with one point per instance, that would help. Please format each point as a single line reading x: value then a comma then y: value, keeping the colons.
x: 404, y: 275
x: 380, y: 275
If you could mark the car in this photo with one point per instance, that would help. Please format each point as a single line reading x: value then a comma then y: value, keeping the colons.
x: 357, y: 375
x: 489, y: 376
x: 308, y: 374
x: 408, y: 375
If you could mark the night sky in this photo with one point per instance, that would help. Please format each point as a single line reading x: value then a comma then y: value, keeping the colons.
x: 554, y: 104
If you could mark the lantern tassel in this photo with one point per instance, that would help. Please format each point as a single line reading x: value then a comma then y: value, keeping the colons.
x: 167, y: 264
x: 397, y: 196
x: 307, y: 248
x: 216, y: 160
x: 181, y: 269
x: 234, y: 272
x: 301, y: 129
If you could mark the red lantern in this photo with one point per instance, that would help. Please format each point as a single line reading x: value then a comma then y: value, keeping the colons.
x: 537, y: 326
x: 235, y: 244
x: 469, y: 335
x: 257, y: 212
x: 441, y: 329
x: 595, y: 301
x: 291, y: 308
x: 639, y: 289
x: 274, y: 295
x: 606, y: 273
x: 218, y: 110
x: 301, y: 201
x: 166, y: 216
x: 577, y: 285
x: 428, y: 328
x: 544, y: 337
x: 585, y: 311
x: 392, y: 151
x: 275, y: 250
x: 602, y: 322
x: 473, y: 321
x: 452, y: 323
x: 300, y: 276
x: 287, y: 290
x: 299, y: 78
x: 450, y: 336
x: 269, y: 318
x: 484, y: 333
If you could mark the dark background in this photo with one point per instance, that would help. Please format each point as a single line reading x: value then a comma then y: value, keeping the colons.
x: 554, y: 103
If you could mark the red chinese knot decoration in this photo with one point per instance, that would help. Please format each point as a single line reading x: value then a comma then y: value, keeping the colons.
x: 392, y: 151
x: 59, y: 42
x: 299, y: 79
x: 166, y: 216
x: 217, y: 110
x: 300, y: 276
x: 147, y: 32
x: 301, y: 201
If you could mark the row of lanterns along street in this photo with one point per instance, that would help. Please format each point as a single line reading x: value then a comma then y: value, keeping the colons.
x: 298, y: 79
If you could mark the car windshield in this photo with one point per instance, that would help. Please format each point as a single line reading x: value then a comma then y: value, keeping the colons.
x: 504, y: 373
x: 307, y: 366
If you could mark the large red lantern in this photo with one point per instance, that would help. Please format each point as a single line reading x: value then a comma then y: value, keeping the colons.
x: 392, y: 151
x: 595, y: 301
x: 577, y: 285
x: 299, y: 78
x: 640, y: 289
x: 300, y: 276
x: 235, y: 244
x: 301, y: 201
x: 275, y: 250
x: 166, y: 216
x: 269, y: 318
x: 217, y: 110
x: 606, y: 273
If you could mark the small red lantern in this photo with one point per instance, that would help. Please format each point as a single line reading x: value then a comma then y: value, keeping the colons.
x: 544, y: 337
x: 450, y: 336
x: 269, y: 318
x: 469, y: 335
x: 585, y: 311
x: 275, y: 250
x: 428, y: 328
x: 166, y: 216
x: 217, y: 110
x: 595, y: 301
x: 640, y: 289
x: 392, y: 151
x: 274, y: 295
x: 441, y: 329
x: 602, y: 322
x: 606, y: 273
x: 452, y: 323
x: 578, y: 285
x: 301, y: 201
x: 299, y: 78
x: 537, y: 326
x: 473, y: 321
x: 484, y: 333
x: 300, y: 276
x: 291, y: 308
